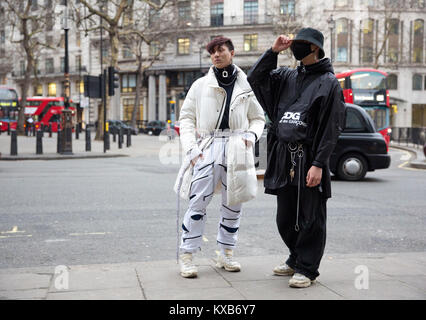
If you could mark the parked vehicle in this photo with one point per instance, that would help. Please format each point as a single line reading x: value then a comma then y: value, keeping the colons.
x: 360, y: 147
x: 154, y: 127
x: 115, y: 125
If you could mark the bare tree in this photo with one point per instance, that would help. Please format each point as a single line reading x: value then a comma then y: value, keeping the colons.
x: 146, y: 28
x: 112, y: 13
x: 389, y: 15
x: 290, y: 16
x: 28, y: 19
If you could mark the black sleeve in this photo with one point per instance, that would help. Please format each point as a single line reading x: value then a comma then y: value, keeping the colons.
x: 330, y: 126
x: 265, y: 80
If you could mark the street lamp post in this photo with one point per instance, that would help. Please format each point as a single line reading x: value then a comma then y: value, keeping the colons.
x: 66, y: 147
x: 331, y: 25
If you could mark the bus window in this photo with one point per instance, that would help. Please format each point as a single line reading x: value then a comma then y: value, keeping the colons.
x: 8, y: 94
x: 379, y: 117
x: 342, y: 82
x: 368, y: 80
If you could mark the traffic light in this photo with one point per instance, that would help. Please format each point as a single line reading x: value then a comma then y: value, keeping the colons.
x: 113, y: 79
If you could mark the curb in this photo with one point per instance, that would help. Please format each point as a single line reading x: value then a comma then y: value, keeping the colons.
x: 413, y: 156
x: 57, y: 157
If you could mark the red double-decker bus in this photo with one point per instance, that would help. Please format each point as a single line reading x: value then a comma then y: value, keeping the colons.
x: 9, y: 103
x: 368, y: 89
x: 46, y: 111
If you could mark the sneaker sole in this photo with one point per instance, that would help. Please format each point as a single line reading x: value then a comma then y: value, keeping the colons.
x: 301, y: 284
x: 277, y: 273
x: 189, y: 275
x: 219, y: 265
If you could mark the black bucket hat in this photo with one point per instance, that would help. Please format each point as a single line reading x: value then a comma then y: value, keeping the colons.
x: 313, y: 36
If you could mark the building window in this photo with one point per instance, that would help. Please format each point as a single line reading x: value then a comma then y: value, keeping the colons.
x: 393, y: 40
x: 49, y: 65
x: 128, y: 105
x: 79, y: 86
x: 78, y: 38
x: 38, y: 90
x: 49, y: 22
x: 186, y: 78
x: 128, y: 83
x: 341, y: 3
x: 62, y: 41
x: 216, y: 13
x: 105, y: 50
x: 417, y: 82
x: 183, y: 45
x: 392, y: 82
x: 184, y: 11
x: 418, y: 40
x: 62, y: 64
x: 287, y: 7
x: 342, y: 40
x: 51, y: 89
x: 251, y: 8
x: 250, y: 42
x: 367, y: 35
x: 154, y: 48
x: 368, y: 3
x: 418, y: 115
x: 34, y: 5
x: 22, y: 67
x: 127, y: 53
x: 78, y: 64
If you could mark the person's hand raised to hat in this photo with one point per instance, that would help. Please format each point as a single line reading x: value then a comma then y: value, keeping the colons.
x: 281, y: 43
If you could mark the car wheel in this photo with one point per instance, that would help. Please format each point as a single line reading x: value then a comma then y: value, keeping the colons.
x: 352, y: 167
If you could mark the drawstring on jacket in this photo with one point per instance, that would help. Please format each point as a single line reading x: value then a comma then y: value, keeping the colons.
x: 296, y: 150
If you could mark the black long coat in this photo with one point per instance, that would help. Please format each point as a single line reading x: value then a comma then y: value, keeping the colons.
x: 274, y: 88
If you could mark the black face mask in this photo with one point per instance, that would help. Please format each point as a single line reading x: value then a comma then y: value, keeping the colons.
x: 301, y: 49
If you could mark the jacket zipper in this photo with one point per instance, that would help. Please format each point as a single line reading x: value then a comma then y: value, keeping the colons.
x: 221, y: 110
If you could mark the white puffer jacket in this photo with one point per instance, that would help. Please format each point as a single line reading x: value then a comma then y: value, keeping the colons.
x: 201, y: 112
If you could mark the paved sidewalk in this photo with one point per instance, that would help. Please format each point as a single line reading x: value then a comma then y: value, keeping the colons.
x: 141, y: 145
x: 385, y: 276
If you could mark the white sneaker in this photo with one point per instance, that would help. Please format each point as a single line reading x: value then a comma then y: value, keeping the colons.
x: 283, y: 270
x: 187, y: 268
x: 226, y: 261
x: 300, y: 281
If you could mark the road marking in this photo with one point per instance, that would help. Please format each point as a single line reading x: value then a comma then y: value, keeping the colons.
x: 407, y: 156
x: 56, y: 240
x: 14, y: 230
x: 16, y: 236
x: 89, y: 234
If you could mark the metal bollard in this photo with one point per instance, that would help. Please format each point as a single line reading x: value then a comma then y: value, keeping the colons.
x: 14, y: 144
x: 114, y: 132
x: 8, y: 129
x: 50, y: 130
x: 58, y: 146
x: 120, y: 138
x: 128, y: 138
x: 88, y: 141
x: 107, y: 141
x: 77, y: 131
x: 39, y: 142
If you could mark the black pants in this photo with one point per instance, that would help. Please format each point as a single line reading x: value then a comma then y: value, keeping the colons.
x: 306, y: 245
